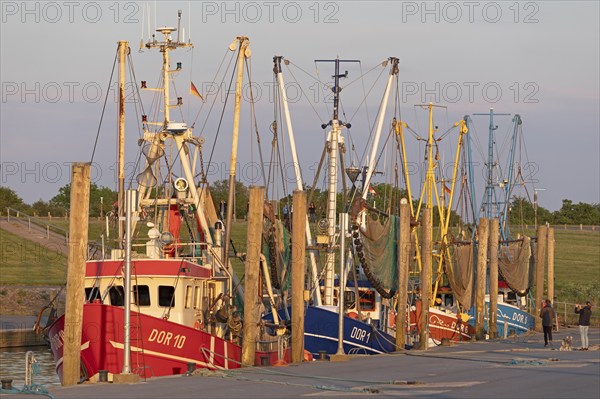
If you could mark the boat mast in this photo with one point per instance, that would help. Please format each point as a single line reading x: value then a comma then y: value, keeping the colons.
x: 427, y: 193
x: 177, y: 131
x: 471, y: 174
x: 504, y: 218
x: 429, y: 184
x: 334, y: 140
x: 123, y: 50
x: 299, y: 184
x: 242, y: 43
x: 490, y: 193
x: 131, y: 205
x: 372, y: 158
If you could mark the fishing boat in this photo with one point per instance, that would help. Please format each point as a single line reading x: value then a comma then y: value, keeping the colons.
x: 447, y: 256
x: 514, y: 253
x: 165, y: 304
x: 345, y: 314
x: 433, y: 297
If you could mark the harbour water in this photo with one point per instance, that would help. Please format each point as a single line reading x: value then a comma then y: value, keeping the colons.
x: 12, y: 365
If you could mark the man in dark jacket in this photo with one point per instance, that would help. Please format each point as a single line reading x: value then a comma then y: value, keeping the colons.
x: 585, y: 313
x: 547, y: 315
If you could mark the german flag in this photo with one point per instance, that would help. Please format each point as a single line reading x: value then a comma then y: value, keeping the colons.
x: 195, y: 91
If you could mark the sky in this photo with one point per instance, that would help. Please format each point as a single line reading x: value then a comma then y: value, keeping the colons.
x: 538, y: 59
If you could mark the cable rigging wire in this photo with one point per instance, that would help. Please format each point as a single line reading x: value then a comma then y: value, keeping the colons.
x: 104, y: 107
x: 212, y: 151
x: 302, y: 91
x: 255, y: 123
x: 227, y: 51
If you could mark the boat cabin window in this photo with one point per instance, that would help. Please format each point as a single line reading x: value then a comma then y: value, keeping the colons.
x: 117, y: 297
x: 188, y: 296
x: 511, y: 297
x: 449, y: 300
x: 141, y: 295
x: 92, y: 293
x: 166, y: 296
x: 349, y: 299
x: 367, y: 300
x: 197, y: 298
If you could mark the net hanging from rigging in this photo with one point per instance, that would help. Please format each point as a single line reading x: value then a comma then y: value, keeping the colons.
x: 460, y: 274
x: 514, y: 265
x: 379, y: 246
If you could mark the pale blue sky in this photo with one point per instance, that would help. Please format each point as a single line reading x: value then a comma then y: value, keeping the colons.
x: 543, y: 56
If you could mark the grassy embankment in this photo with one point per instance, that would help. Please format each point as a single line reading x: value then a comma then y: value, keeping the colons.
x: 577, y: 261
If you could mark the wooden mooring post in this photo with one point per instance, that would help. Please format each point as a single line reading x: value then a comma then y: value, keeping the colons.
x: 551, y: 264
x: 78, y: 233
x: 404, y: 254
x: 482, y: 254
x: 540, y: 260
x: 425, y: 279
x: 298, y: 272
x: 493, y: 243
x: 252, y: 268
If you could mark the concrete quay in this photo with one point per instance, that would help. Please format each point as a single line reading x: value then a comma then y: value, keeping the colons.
x: 514, y: 368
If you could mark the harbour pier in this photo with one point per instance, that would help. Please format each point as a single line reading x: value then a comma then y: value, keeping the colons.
x: 518, y: 367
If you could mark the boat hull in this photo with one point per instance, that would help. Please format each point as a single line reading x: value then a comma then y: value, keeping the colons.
x: 321, y: 333
x: 158, y: 347
x: 442, y: 325
x: 510, y: 318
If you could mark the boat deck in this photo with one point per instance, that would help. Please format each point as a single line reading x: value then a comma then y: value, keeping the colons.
x: 516, y: 367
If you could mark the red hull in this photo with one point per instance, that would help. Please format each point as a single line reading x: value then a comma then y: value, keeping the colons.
x: 158, y: 347
x: 443, y: 325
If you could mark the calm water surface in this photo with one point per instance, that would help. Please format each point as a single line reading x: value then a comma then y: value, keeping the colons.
x: 12, y: 365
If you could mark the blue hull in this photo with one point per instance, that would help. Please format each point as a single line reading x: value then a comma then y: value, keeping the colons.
x: 517, y: 320
x: 321, y: 334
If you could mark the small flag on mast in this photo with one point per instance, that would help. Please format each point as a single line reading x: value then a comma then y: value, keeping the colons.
x: 195, y: 91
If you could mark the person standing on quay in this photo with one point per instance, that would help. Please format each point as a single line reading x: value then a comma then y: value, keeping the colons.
x: 548, y: 316
x: 585, y: 313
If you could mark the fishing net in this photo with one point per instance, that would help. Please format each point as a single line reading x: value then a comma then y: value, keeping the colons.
x: 460, y: 273
x: 514, y: 265
x: 380, y: 250
x: 278, y: 254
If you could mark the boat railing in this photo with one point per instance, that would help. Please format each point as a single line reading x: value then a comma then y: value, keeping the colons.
x: 216, y: 259
x: 271, y: 345
x: 194, y: 254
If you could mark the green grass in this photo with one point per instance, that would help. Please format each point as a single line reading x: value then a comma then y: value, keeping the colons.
x: 24, y: 262
x: 577, y: 266
x: 577, y: 256
x: 95, y: 227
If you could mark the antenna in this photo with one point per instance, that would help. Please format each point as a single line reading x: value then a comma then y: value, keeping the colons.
x: 336, y: 89
x: 178, y: 24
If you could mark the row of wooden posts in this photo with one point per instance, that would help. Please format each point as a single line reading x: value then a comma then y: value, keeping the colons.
x: 487, y: 235
x: 252, y: 268
x: 78, y: 231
